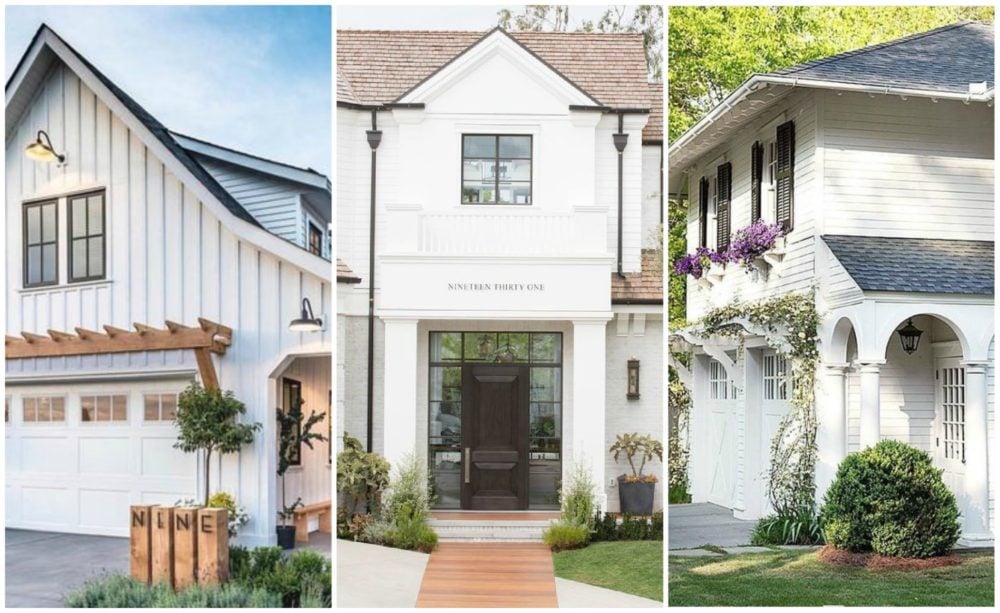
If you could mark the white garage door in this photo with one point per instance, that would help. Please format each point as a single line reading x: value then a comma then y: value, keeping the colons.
x: 776, y: 394
x: 78, y: 456
x: 722, y: 433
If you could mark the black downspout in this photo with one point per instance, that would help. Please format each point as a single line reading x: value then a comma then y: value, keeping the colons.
x: 374, y: 138
x: 620, y: 139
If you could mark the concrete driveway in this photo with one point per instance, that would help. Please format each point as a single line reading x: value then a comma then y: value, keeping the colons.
x: 42, y: 567
x: 696, y: 525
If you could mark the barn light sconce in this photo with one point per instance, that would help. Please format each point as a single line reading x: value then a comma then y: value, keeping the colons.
x: 633, y: 380
x: 307, y: 322
x: 42, y: 151
x: 909, y: 336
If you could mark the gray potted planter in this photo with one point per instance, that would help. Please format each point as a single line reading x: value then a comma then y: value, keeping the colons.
x: 636, y: 492
x: 636, y: 497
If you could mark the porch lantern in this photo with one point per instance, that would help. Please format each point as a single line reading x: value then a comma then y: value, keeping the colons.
x: 909, y: 336
x: 43, y: 151
x: 307, y: 322
x: 633, y: 380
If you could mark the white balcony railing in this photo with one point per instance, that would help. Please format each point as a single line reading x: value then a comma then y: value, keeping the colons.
x: 480, y: 231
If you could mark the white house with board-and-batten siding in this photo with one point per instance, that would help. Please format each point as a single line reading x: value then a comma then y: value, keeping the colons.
x: 501, y: 284
x: 879, y: 165
x: 144, y: 237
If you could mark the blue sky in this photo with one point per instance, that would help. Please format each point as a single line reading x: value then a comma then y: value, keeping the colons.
x: 254, y: 78
x: 480, y: 17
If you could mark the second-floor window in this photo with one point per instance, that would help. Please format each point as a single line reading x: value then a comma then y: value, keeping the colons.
x: 496, y: 169
x: 315, y: 240
x: 40, y: 244
x: 86, y: 237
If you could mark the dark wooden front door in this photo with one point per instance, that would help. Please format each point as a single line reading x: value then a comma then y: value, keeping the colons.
x: 495, y: 437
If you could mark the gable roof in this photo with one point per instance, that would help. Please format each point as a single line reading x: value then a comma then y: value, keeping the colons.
x: 50, y: 47
x: 380, y: 66
x: 345, y: 274
x: 946, y: 59
x: 644, y: 287
x: 652, y: 133
x: 921, y: 265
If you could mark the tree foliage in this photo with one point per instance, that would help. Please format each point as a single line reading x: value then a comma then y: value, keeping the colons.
x: 646, y: 19
x: 294, y: 430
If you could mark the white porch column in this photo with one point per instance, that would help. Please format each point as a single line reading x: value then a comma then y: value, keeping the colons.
x: 869, y: 376
x: 977, y: 519
x: 589, y: 377
x: 399, y: 422
x: 831, y: 430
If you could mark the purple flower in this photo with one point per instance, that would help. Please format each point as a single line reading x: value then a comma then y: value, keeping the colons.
x: 751, y: 242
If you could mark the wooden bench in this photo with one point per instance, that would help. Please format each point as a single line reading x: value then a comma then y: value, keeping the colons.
x: 302, y: 515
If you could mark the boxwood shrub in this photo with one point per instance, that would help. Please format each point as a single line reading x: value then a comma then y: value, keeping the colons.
x: 891, y: 500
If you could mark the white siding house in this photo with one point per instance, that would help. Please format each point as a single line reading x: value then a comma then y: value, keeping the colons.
x: 497, y: 230
x: 90, y: 434
x: 891, y: 221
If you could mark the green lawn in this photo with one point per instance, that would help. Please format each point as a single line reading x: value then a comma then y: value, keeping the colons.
x: 799, y: 578
x: 635, y: 567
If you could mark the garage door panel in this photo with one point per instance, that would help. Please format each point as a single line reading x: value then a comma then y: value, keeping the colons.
x: 48, y: 454
x: 160, y: 459
x: 167, y: 498
x: 48, y: 506
x: 12, y: 453
x: 105, y: 455
x: 103, y: 509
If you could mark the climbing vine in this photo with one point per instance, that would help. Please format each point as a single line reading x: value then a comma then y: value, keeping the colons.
x: 789, y: 323
x: 677, y: 451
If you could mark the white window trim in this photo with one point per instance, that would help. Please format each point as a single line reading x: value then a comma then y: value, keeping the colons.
x: 66, y: 411
x: 103, y: 423
x: 160, y: 421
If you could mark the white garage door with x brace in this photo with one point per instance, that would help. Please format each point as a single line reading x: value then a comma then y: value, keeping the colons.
x: 722, y: 425
x: 78, y: 456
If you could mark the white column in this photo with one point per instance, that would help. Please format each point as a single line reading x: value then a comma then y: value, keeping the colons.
x: 831, y: 430
x: 977, y: 516
x: 589, y: 377
x: 399, y: 424
x: 869, y: 375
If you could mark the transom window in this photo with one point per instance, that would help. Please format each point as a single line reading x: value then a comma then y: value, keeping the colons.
x: 496, y: 169
x: 953, y: 419
x: 86, y: 237
x: 40, y: 244
x: 719, y: 385
x: 159, y: 407
x: 103, y: 407
x: 43, y: 409
x: 775, y: 377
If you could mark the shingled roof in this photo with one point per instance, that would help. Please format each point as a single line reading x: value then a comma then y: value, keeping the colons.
x: 379, y: 66
x: 947, y: 59
x: 645, y: 287
x: 345, y: 274
x: 921, y: 265
x: 653, y: 132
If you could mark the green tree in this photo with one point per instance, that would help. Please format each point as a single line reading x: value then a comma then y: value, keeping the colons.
x: 294, y: 430
x: 207, y: 420
x: 646, y: 19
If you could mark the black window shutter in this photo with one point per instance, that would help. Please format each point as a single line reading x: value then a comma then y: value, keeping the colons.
x: 723, y: 209
x: 703, y: 212
x: 783, y: 175
x: 756, y: 175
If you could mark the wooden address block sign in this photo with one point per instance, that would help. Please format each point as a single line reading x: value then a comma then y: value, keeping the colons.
x: 179, y: 545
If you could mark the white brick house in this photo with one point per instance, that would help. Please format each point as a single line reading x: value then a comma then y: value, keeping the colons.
x: 497, y: 255
x: 879, y: 162
x: 139, y: 262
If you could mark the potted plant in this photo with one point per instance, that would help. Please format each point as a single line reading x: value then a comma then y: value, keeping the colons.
x: 636, y: 491
x: 294, y: 430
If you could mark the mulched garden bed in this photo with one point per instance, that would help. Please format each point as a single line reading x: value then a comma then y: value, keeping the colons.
x: 840, y: 557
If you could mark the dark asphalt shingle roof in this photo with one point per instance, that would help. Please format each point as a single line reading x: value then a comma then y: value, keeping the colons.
x: 947, y: 59
x: 921, y: 265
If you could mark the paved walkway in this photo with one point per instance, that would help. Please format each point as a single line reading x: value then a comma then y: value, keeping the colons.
x: 576, y: 595
x: 374, y: 576
x: 695, y: 525
x: 489, y: 575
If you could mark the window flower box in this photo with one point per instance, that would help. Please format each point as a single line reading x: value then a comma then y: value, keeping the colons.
x: 715, y: 273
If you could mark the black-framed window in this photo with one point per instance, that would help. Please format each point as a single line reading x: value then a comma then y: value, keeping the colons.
x: 315, y: 239
x: 291, y: 395
x: 496, y: 168
x: 87, y: 247
x: 41, y: 239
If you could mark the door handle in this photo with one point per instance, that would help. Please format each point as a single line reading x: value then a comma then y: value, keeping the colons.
x: 467, y: 468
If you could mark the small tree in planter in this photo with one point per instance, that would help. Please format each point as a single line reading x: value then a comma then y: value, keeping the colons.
x: 636, y: 491
x: 207, y: 422
x: 293, y: 432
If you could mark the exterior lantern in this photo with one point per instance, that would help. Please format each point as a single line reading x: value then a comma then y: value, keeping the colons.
x: 909, y: 336
x: 633, y: 380
x: 307, y: 322
x: 42, y: 151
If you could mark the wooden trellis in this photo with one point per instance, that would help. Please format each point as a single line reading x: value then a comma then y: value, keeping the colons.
x: 208, y: 337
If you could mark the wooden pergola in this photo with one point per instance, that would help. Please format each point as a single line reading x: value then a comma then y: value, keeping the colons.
x: 208, y: 337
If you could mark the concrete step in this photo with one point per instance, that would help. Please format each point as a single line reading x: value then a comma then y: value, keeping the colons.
x: 490, y: 530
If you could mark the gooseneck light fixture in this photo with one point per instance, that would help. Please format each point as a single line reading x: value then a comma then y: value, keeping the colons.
x: 307, y: 322
x: 909, y: 336
x: 42, y: 150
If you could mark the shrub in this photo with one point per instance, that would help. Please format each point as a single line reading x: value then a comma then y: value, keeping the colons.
x: 678, y: 494
x: 237, y: 515
x: 802, y: 529
x: 289, y: 577
x: 891, y: 500
x: 608, y: 528
x: 407, y: 493
x: 402, y: 522
x: 361, y: 477
x: 561, y: 536
x: 119, y: 591
x: 410, y: 531
x: 578, y: 498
